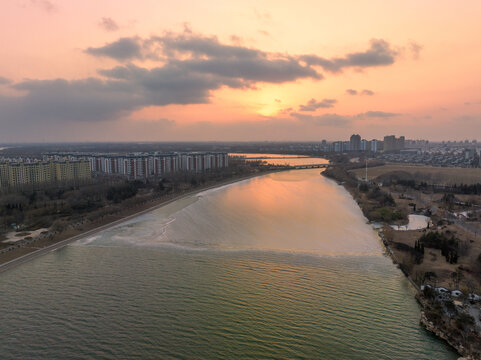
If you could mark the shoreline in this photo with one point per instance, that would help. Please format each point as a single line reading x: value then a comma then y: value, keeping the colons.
x: 5, y: 266
x: 393, y: 254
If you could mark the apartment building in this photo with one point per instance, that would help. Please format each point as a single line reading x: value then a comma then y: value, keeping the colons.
x: 14, y: 174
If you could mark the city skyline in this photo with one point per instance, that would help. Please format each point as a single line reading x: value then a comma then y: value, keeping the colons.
x: 239, y: 72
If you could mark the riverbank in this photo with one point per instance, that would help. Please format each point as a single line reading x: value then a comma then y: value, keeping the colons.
x: 442, y: 256
x: 47, y: 244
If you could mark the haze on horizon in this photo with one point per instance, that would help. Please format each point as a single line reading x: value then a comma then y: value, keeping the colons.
x: 214, y: 70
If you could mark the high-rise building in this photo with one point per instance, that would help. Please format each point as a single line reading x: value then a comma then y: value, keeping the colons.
x: 355, y: 142
x: 144, y: 165
x: 363, y: 145
x: 14, y: 174
x: 391, y: 143
x: 338, y: 146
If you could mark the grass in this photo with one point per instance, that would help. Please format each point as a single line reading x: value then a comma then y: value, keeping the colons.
x: 429, y: 174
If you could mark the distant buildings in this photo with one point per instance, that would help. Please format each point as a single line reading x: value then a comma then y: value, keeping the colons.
x: 144, y: 165
x: 391, y: 143
x: 15, y: 174
x: 64, y: 167
x: 357, y: 144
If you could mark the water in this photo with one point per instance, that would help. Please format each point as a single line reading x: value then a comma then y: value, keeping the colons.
x: 281, y: 266
x: 416, y: 222
x: 281, y: 159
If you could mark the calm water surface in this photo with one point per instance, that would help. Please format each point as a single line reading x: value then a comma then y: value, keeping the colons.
x: 281, y: 266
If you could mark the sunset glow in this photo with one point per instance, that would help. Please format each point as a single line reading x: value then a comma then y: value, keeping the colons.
x: 215, y: 70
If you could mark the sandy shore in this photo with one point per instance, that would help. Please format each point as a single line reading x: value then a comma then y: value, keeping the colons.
x: 31, y: 253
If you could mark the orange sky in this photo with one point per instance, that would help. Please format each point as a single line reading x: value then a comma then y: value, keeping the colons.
x: 218, y: 70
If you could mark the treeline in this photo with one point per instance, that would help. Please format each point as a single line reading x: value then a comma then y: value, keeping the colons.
x: 464, y: 189
x: 123, y: 191
x: 376, y: 204
x: 448, y: 245
x: 59, y: 206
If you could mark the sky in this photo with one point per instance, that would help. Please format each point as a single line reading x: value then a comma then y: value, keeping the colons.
x: 152, y: 70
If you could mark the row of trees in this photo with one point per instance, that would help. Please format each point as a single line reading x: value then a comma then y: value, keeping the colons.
x: 63, y: 204
x: 448, y: 245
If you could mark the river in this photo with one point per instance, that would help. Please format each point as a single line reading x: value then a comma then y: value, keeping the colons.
x: 280, y: 266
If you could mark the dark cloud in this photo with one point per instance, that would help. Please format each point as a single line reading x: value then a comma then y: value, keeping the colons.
x: 108, y: 24
x: 252, y: 69
x: 126, y: 89
x: 190, y: 68
x: 206, y: 55
x: 123, y: 49
x: 378, y: 114
x: 61, y: 100
x: 380, y: 53
x: 333, y: 120
x: 367, y: 92
x: 313, y: 104
x: 363, y: 92
x: 4, y: 81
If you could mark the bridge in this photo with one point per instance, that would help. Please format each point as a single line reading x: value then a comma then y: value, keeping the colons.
x: 313, y: 166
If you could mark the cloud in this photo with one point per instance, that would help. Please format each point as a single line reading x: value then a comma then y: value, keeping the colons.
x: 467, y: 103
x: 187, y: 68
x: 61, y: 101
x: 206, y: 55
x: 332, y: 120
x: 4, y: 81
x: 126, y: 48
x: 377, y: 114
x: 207, y: 66
x: 363, y: 92
x: 126, y: 89
x: 45, y: 5
x: 108, y: 24
x: 237, y: 40
x: 380, y: 53
x: 313, y: 104
x: 262, y: 16
x: 367, y: 92
x: 466, y: 119
x: 415, y: 49
x: 164, y: 122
